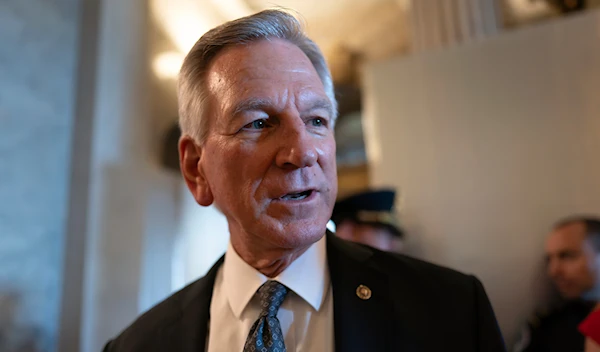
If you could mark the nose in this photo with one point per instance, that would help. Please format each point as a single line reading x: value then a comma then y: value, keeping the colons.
x: 298, y: 147
x: 553, y: 269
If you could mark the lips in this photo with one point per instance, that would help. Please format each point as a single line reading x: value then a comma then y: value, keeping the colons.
x: 295, y: 196
x: 562, y: 284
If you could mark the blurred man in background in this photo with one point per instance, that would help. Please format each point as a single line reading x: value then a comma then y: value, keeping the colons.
x: 573, y: 266
x: 369, y: 218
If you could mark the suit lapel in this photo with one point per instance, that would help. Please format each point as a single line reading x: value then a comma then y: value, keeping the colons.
x: 359, y: 323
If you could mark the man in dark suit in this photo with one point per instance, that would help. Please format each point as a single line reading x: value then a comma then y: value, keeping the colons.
x: 572, y: 252
x: 257, y: 112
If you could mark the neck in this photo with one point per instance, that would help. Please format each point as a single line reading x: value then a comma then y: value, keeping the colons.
x: 269, y: 260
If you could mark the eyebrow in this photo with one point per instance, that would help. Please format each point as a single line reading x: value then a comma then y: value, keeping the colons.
x: 261, y: 104
x: 251, y: 104
x: 324, y: 104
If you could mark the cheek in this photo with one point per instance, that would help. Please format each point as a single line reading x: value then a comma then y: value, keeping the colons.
x: 326, y: 152
x: 326, y: 149
x: 579, y: 268
x: 240, y: 168
x: 223, y: 168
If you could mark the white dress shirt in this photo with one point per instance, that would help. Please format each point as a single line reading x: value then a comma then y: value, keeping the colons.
x: 306, y: 315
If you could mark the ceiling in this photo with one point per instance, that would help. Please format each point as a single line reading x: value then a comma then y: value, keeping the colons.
x: 373, y: 29
x: 344, y: 29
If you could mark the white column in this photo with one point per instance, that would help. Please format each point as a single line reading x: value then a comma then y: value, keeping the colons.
x: 437, y: 24
x: 119, y: 177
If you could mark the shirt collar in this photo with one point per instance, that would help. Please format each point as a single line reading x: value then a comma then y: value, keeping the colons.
x: 307, y: 276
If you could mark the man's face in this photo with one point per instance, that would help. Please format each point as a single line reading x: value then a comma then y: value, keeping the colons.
x: 571, y: 260
x: 269, y: 158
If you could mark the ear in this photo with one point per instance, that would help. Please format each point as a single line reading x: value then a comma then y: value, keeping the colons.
x: 190, y: 162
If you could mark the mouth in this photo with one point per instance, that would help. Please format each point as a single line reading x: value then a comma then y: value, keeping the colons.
x: 562, y: 285
x: 297, y: 196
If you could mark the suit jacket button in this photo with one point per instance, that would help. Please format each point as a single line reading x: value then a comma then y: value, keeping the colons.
x: 363, y: 292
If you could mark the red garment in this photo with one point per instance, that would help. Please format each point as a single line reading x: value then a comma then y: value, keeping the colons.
x: 590, y: 327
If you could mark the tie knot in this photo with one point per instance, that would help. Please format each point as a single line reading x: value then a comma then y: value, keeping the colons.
x: 271, y: 295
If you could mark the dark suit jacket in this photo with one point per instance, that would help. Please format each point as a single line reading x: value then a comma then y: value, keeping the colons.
x: 414, y: 306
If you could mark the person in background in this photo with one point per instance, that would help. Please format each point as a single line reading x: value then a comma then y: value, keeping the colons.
x: 573, y: 266
x: 369, y: 218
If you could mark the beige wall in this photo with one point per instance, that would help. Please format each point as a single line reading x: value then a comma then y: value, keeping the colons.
x: 490, y: 143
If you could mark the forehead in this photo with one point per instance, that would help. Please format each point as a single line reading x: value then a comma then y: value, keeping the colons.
x: 262, y: 68
x: 568, y: 237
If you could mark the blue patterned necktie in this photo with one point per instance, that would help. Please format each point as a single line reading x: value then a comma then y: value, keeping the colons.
x: 266, y: 335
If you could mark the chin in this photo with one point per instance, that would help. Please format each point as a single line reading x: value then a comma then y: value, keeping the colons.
x: 299, y: 234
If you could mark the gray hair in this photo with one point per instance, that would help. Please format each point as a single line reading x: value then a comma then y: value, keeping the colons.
x: 267, y: 25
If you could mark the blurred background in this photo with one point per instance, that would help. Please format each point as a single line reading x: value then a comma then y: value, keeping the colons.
x: 483, y: 114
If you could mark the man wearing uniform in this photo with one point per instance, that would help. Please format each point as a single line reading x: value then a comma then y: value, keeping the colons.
x: 573, y: 265
x: 369, y: 218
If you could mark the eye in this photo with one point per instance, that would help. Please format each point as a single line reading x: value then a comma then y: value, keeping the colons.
x: 317, y: 122
x: 256, y: 124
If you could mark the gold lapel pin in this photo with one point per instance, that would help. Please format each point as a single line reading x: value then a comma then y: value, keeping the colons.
x: 363, y: 292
